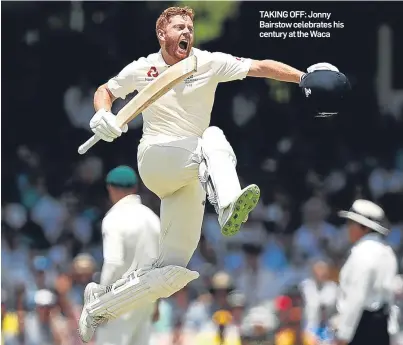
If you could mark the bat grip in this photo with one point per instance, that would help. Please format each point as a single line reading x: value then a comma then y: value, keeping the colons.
x: 88, y: 144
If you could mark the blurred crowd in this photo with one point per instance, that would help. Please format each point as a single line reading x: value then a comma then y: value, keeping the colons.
x: 270, y: 283
x: 267, y: 283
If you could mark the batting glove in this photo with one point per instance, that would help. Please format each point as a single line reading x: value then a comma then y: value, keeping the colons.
x: 322, y: 66
x: 325, y: 88
x: 103, y: 124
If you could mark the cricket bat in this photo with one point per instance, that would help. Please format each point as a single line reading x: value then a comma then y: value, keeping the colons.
x: 153, y: 91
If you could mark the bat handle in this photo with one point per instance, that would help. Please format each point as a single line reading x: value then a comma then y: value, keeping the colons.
x: 88, y: 144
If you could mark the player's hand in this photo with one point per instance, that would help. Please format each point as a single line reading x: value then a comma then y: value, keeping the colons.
x: 103, y: 124
x: 322, y: 66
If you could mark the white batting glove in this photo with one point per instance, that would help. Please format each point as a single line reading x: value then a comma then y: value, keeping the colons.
x: 103, y: 124
x: 322, y: 66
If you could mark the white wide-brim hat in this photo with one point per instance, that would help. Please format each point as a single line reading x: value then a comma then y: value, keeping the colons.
x: 368, y: 214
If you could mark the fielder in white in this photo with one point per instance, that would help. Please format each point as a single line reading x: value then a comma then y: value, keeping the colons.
x: 130, y: 234
x: 180, y: 159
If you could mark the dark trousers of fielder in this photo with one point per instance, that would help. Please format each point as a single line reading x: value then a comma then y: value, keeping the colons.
x: 373, y: 328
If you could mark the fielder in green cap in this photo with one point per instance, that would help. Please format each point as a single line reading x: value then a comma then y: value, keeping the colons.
x: 121, y: 182
x: 130, y: 242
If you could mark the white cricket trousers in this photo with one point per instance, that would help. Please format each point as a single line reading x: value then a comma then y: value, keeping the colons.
x: 170, y: 171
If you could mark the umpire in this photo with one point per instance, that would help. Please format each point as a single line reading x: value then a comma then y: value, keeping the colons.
x: 366, y: 278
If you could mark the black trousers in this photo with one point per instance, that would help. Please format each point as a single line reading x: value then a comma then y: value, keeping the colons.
x: 373, y: 328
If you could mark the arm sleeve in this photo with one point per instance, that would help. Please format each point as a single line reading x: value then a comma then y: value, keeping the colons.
x: 113, y: 252
x: 355, y: 293
x: 228, y: 68
x: 125, y: 82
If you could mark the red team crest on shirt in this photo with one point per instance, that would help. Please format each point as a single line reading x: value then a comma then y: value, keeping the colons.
x: 152, y: 72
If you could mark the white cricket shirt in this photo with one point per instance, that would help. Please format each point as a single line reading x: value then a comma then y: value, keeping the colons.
x: 366, y: 282
x: 185, y: 110
x: 130, y: 233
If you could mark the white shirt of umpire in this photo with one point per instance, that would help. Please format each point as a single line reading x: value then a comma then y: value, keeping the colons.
x: 366, y: 283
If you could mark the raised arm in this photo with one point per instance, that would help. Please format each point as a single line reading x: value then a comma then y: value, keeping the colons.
x: 274, y: 70
x: 325, y: 88
x: 228, y: 68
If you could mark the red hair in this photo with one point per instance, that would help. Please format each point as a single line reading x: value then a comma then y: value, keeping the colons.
x: 165, y: 16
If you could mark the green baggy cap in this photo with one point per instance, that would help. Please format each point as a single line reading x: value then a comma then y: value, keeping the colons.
x: 122, y: 176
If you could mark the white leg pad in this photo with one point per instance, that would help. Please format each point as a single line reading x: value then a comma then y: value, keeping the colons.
x: 221, y: 164
x: 135, y: 291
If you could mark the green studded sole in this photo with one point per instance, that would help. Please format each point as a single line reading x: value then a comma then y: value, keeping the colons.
x: 245, y: 203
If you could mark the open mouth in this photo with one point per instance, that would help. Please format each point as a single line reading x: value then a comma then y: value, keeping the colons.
x: 183, y: 45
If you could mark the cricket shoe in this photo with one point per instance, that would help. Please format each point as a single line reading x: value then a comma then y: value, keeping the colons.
x: 233, y: 216
x: 87, y: 323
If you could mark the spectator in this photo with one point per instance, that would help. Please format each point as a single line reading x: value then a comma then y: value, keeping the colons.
x: 40, y: 278
x: 28, y: 176
x: 289, y: 313
x: 315, y: 236
x: 66, y: 314
x: 75, y: 222
x: 295, y: 272
x: 274, y: 256
x: 37, y: 322
x: 49, y: 213
x: 200, y: 312
x: 9, y: 322
x: 395, y: 237
x: 15, y: 256
x: 173, y: 309
x: 203, y: 256
x: 258, y: 326
x: 383, y: 180
x: 319, y: 296
x: 83, y: 268
x: 166, y: 320
x: 225, y: 325
x: 237, y: 303
x: 253, y: 279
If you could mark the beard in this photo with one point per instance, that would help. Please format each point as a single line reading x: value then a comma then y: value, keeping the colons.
x: 173, y: 49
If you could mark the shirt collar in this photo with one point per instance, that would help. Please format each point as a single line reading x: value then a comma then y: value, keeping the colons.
x: 370, y: 237
x: 162, y: 61
x: 128, y: 199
